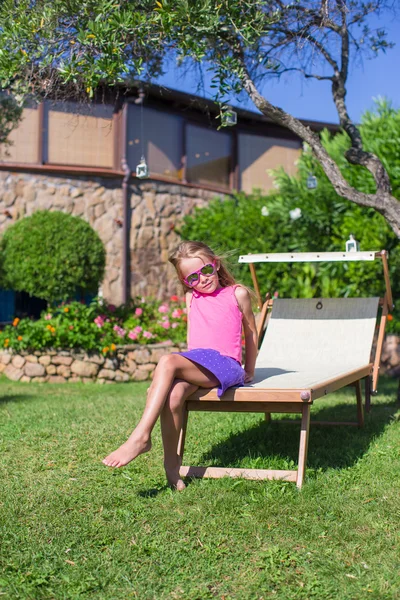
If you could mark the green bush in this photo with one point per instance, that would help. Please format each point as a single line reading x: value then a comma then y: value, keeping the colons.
x: 51, y: 255
x: 258, y: 223
x: 99, y: 327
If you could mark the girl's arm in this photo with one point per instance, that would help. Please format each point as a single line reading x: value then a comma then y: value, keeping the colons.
x: 188, y: 298
x: 250, y: 331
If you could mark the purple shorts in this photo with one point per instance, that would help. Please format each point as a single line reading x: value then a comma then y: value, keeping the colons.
x: 226, y: 369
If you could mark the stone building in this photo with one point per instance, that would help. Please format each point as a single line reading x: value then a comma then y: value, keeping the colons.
x: 82, y: 159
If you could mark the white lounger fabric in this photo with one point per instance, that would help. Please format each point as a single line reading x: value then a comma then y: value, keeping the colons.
x: 310, y: 341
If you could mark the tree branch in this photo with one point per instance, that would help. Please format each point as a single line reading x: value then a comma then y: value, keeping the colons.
x: 382, y: 201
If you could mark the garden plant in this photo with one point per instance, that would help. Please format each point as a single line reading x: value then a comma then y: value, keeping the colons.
x: 99, y: 326
x: 52, y: 255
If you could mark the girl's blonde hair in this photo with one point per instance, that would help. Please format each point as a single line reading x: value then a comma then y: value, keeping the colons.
x: 199, y: 250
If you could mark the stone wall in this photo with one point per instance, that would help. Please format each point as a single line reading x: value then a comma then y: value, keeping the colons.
x: 391, y: 356
x: 156, y: 209
x: 130, y: 363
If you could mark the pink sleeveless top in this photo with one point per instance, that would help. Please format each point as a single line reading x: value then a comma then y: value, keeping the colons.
x: 215, y: 322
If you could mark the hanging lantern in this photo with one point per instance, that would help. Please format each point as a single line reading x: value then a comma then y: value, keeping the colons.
x: 312, y: 182
x: 228, y: 116
x: 352, y: 245
x: 142, y: 170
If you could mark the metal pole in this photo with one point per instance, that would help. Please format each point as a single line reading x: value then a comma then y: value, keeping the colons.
x: 125, y: 210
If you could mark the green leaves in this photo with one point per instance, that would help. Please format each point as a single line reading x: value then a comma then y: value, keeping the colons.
x: 51, y: 255
x: 86, y: 43
x: 99, y: 326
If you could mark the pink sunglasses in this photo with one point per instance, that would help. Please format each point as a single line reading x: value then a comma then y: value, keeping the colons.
x: 194, y: 278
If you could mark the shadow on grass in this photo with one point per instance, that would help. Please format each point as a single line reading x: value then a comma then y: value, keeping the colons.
x: 329, y: 446
x: 153, y: 492
x: 388, y: 387
x: 5, y: 398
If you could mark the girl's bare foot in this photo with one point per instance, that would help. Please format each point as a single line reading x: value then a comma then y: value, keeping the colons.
x: 173, y: 477
x: 127, y: 452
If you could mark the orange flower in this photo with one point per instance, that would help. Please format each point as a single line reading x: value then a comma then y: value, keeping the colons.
x: 16, y: 321
x: 105, y: 350
x: 6, y: 342
x: 390, y: 317
x: 48, y: 327
x: 113, y: 347
x: 66, y: 309
x: 52, y: 329
x: 19, y: 338
x: 71, y: 327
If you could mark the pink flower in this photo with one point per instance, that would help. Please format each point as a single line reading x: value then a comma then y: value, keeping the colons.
x: 111, y: 307
x: 174, y: 325
x: 132, y: 335
x: 138, y: 329
x: 147, y: 334
x: 176, y: 313
x: 166, y: 324
x: 119, y: 331
x: 138, y: 312
x: 48, y: 317
x: 99, y: 321
x: 163, y: 308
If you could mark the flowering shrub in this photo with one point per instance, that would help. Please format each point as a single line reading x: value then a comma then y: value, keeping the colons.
x: 99, y: 326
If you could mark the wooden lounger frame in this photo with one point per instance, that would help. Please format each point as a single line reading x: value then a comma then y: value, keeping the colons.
x: 269, y: 401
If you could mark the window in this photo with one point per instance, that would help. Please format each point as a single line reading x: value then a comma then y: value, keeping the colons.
x: 258, y: 154
x: 161, y: 143
x: 24, y: 139
x: 79, y: 134
x: 208, y: 156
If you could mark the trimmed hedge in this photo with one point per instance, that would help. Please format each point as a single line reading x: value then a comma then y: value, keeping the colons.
x: 51, y: 255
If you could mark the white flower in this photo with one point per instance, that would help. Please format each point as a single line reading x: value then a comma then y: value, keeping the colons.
x: 264, y: 211
x: 295, y: 214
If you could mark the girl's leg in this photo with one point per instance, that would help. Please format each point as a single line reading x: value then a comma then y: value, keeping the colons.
x: 171, y: 425
x: 170, y: 367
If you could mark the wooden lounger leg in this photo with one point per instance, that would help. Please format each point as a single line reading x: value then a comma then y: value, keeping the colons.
x: 304, y: 433
x: 268, y: 417
x: 360, y: 408
x: 182, y: 437
x: 368, y: 393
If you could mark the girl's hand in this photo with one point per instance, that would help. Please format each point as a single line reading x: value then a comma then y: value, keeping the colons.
x: 248, y: 377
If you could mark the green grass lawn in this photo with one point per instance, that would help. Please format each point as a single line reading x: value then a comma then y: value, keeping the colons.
x: 72, y: 528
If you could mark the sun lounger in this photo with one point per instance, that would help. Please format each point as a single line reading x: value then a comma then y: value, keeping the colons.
x: 311, y: 347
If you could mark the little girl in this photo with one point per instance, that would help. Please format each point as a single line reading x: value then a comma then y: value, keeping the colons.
x: 217, y: 310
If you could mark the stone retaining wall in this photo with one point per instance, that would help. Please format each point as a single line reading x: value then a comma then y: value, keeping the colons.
x: 130, y: 363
